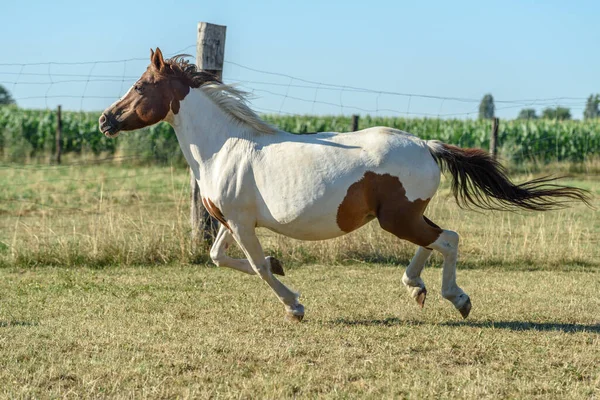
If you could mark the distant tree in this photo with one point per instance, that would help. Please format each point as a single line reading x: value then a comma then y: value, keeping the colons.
x: 592, y: 107
x: 527, y: 113
x: 5, y: 97
x: 486, y: 107
x: 560, y: 113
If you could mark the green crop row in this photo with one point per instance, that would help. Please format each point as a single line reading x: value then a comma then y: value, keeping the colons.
x: 26, y: 134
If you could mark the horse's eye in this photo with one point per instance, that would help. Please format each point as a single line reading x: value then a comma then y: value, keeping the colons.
x: 138, y: 88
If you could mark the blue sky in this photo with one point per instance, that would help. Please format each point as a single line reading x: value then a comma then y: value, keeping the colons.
x: 515, y: 50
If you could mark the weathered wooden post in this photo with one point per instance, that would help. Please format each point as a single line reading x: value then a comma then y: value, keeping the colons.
x: 494, y: 138
x: 210, y: 54
x: 58, y: 134
x: 354, y: 123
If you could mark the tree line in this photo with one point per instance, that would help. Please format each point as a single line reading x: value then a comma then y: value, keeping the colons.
x: 5, y: 97
x: 592, y: 110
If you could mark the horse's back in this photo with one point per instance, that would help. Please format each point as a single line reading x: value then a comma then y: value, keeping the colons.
x: 368, y: 148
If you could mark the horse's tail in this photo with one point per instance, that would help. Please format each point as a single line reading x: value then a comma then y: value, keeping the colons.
x: 481, y: 181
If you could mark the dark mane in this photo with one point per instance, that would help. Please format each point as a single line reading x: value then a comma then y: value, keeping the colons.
x: 189, y: 73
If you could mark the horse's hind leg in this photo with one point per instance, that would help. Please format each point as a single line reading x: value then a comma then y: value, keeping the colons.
x: 408, y: 223
x: 412, y: 276
x: 411, y: 226
x: 447, y: 244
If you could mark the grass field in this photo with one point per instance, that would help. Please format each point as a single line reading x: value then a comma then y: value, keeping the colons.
x: 197, y: 332
x: 101, y: 296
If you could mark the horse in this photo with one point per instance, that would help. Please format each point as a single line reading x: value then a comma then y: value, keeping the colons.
x: 319, y: 186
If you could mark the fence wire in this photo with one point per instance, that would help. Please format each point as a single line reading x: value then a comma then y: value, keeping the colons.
x: 84, y: 85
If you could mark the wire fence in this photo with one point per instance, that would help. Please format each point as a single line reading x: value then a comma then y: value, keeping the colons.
x: 93, y: 85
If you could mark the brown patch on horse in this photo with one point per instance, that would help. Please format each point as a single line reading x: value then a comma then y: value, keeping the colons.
x: 382, y: 196
x: 429, y: 222
x: 432, y: 224
x: 215, y: 212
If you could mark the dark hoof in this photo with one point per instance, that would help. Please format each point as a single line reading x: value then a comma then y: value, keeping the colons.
x: 294, y: 314
x: 276, y: 267
x: 294, y: 318
x: 465, y: 309
x: 421, y: 297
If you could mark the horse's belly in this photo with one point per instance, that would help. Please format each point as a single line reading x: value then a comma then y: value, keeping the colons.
x: 315, y: 220
x: 308, y: 229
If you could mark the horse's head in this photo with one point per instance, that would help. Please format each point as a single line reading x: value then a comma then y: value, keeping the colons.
x: 151, y: 99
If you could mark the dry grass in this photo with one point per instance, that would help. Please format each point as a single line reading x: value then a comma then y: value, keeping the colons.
x: 589, y: 167
x: 94, y: 215
x: 102, y: 215
x: 100, y: 325
x: 198, y: 332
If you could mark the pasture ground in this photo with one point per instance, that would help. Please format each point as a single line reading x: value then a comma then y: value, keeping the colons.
x: 101, y: 296
x: 198, y: 332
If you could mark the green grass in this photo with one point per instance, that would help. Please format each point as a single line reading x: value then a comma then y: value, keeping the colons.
x: 198, y: 332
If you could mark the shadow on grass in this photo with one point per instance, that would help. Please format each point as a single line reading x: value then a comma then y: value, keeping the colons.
x: 527, y: 326
x: 565, y: 265
x: 377, y: 260
x: 391, y: 321
x: 7, y: 324
x: 509, y: 325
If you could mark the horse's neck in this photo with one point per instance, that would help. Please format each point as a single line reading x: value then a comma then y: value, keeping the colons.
x: 202, y: 129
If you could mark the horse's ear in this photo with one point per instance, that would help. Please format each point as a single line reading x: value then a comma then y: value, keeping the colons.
x: 157, y: 59
x: 151, y: 54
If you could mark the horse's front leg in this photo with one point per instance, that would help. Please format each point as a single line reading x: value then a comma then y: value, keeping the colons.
x: 246, y: 238
x: 219, y: 256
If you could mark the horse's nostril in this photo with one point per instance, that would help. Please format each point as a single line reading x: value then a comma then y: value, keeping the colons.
x: 102, y: 119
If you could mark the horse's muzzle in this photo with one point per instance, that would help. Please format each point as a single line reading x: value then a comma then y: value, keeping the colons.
x: 108, y: 125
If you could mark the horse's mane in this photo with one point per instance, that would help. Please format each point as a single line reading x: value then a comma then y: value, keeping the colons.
x: 227, y: 97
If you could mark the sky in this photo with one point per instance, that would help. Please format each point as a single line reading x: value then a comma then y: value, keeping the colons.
x: 388, y: 58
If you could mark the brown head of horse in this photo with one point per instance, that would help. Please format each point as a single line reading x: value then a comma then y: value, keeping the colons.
x: 154, y: 97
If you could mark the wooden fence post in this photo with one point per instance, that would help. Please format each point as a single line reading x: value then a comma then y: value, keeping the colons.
x: 494, y: 138
x: 210, y: 55
x: 354, y: 123
x: 58, y: 134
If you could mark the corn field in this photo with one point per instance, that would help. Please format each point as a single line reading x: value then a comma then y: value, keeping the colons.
x: 30, y: 134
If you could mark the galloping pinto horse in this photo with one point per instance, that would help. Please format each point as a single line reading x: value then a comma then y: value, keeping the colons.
x: 315, y: 187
